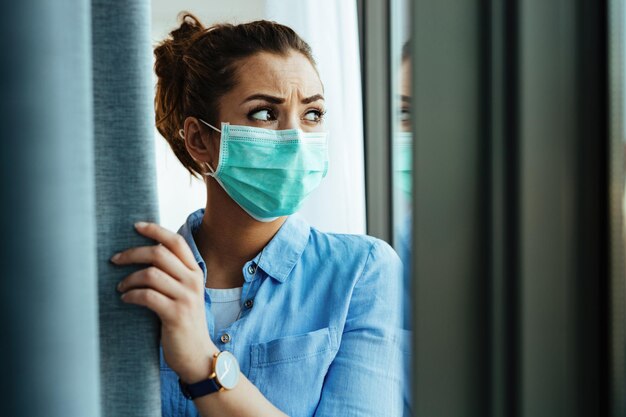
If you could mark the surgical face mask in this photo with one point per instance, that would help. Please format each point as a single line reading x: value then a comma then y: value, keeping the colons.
x: 402, y: 161
x: 269, y: 173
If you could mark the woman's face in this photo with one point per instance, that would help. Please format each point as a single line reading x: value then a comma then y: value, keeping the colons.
x: 275, y: 92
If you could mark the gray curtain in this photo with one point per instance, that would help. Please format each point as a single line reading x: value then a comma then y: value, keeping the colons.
x: 125, y: 193
x: 76, y: 171
x: 48, y: 301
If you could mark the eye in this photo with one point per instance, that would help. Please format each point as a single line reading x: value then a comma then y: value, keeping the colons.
x: 314, y: 115
x: 405, y: 114
x: 264, y: 115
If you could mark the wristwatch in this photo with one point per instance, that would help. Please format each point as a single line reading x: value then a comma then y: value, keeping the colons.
x: 224, y: 376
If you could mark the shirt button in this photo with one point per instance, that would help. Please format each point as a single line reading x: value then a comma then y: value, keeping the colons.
x: 225, y: 338
x: 249, y: 303
x: 251, y: 269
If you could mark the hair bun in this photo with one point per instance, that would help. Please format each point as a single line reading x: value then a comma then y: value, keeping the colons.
x: 169, y: 53
x: 169, y: 67
x: 189, y: 26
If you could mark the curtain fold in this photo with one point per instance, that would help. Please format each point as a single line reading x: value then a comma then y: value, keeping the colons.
x: 125, y: 193
x: 48, y: 298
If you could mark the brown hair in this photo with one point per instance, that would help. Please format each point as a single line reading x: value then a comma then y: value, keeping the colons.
x: 196, y: 67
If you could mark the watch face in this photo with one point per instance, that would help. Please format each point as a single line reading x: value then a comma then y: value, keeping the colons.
x: 227, y: 370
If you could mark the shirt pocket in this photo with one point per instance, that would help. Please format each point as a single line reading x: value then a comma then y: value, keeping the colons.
x: 290, y: 371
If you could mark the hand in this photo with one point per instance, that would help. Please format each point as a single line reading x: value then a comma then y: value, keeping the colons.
x: 172, y: 287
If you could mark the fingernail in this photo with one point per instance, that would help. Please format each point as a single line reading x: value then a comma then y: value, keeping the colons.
x: 141, y: 224
x: 115, y: 257
x: 119, y: 286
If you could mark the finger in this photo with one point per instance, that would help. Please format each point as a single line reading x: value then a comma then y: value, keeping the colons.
x: 155, y: 279
x: 173, y: 241
x: 157, y: 255
x: 154, y: 300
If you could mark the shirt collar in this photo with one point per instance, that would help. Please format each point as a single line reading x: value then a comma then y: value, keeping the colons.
x: 277, y: 258
x: 187, y: 229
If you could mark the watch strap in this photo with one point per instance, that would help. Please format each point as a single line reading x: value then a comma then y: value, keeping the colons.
x: 198, y: 389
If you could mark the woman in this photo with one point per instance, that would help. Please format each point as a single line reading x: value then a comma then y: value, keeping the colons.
x: 261, y: 314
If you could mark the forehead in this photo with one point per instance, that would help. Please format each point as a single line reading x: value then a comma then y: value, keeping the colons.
x: 277, y: 74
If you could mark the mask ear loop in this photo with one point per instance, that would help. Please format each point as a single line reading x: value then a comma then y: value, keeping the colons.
x: 211, y: 126
x: 181, y: 133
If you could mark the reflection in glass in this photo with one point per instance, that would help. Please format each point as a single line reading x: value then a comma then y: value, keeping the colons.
x: 402, y: 161
x: 402, y: 139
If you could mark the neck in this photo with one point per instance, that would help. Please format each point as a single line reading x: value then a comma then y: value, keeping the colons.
x: 228, y: 238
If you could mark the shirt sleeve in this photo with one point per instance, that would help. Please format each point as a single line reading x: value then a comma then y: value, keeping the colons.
x: 366, y: 376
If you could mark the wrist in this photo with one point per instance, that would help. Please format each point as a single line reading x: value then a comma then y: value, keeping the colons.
x: 224, y: 375
x: 200, y: 370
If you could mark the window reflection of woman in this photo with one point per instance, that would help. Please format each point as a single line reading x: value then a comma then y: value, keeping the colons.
x: 310, y: 318
x: 403, y: 172
x: 402, y: 180
x: 405, y: 88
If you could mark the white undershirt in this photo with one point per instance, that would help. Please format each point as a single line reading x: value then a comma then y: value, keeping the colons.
x: 225, y: 305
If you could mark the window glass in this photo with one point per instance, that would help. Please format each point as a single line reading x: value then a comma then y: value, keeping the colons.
x: 401, y: 134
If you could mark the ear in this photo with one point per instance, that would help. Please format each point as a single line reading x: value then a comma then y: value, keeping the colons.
x: 199, y: 142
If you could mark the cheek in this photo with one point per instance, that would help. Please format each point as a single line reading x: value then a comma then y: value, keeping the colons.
x: 320, y: 127
x: 214, y: 147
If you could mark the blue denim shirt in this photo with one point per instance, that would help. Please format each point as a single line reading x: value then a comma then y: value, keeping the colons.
x: 321, y: 335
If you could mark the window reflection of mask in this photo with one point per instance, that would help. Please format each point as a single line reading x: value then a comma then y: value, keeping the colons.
x: 402, y: 161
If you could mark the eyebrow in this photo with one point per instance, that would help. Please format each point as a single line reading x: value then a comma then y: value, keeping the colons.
x: 279, y: 100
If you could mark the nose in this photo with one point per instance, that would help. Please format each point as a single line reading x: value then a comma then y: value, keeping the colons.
x: 292, y: 121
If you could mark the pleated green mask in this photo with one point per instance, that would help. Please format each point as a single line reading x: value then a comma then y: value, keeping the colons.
x: 402, y: 161
x: 269, y: 173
